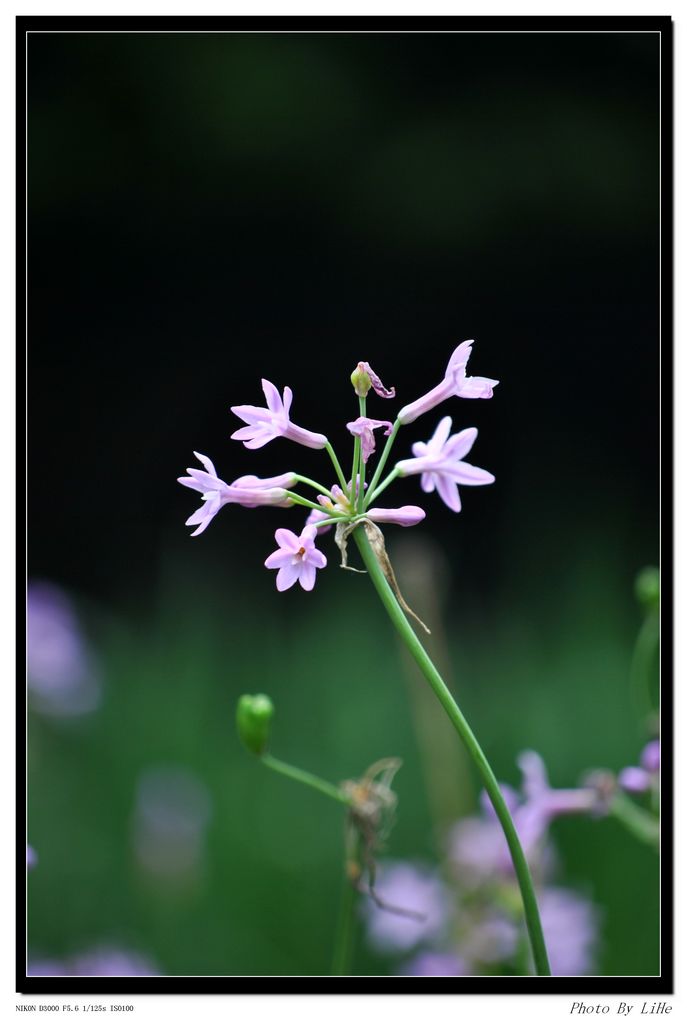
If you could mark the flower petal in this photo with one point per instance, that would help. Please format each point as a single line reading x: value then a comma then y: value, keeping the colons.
x: 288, y: 574
x: 307, y: 575
x: 288, y: 540
x: 448, y: 491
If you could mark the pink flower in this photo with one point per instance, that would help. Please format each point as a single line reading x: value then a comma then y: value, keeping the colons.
x: 296, y: 558
x: 439, y: 462
x: 266, y: 424
x: 455, y: 383
x: 248, y: 491
x: 363, y: 428
x: 407, y: 515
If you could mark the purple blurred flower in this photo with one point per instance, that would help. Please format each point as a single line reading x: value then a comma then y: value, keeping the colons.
x: 651, y: 757
x: 489, y: 939
x: 31, y: 857
x: 173, y: 809
x: 407, y: 515
x: 296, y: 558
x: 571, y: 929
x: 409, y: 887
x: 455, y: 383
x: 316, y: 517
x: 636, y: 779
x: 103, y: 961
x: 248, y: 491
x: 364, y: 428
x: 435, y: 965
x: 61, y: 669
x: 440, y: 463
x: 266, y: 424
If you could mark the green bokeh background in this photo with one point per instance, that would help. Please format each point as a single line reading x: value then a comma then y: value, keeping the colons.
x: 205, y: 210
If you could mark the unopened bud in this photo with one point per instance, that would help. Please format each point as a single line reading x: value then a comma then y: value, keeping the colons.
x: 361, y: 381
x: 648, y: 587
x: 253, y: 721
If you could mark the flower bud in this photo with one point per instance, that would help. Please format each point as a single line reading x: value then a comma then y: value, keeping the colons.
x: 361, y: 381
x: 648, y: 587
x: 253, y: 721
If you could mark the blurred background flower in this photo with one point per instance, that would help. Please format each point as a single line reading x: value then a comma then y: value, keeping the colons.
x: 63, y: 676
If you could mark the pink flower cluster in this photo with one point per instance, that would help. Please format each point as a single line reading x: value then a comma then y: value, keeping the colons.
x: 438, y: 462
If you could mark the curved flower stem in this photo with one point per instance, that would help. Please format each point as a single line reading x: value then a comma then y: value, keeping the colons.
x: 337, y: 467
x: 461, y: 726
x: 646, y: 646
x: 298, y: 499
x: 383, y: 457
x: 640, y: 823
x: 314, y: 484
x: 307, y: 778
x: 384, y: 484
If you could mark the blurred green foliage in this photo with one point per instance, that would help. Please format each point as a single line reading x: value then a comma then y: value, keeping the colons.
x: 266, y: 898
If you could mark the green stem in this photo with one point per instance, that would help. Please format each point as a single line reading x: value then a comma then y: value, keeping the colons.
x: 337, y: 467
x: 636, y: 820
x: 382, y: 487
x: 298, y: 499
x: 354, y: 471
x: 307, y: 778
x: 383, y: 457
x: 461, y: 726
x: 343, y: 947
x: 643, y: 658
x: 314, y: 484
x: 362, y: 402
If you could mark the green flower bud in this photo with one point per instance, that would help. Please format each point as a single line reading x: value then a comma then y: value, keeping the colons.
x: 648, y: 587
x: 360, y: 379
x: 253, y: 721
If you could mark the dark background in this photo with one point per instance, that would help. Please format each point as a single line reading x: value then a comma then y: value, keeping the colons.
x: 208, y: 209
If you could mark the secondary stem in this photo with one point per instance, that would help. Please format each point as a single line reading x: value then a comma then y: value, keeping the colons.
x: 314, y: 484
x: 461, y: 726
x: 360, y: 500
x: 337, y: 467
x: 384, y: 456
x: 307, y: 778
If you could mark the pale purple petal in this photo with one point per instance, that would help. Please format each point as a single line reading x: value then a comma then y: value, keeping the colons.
x: 307, y: 575
x: 317, y: 559
x: 448, y: 492
x: 476, y: 387
x: 460, y: 444
x: 308, y: 438
x: 272, y: 397
x: 316, y: 517
x: 207, y: 463
x: 469, y: 476
x: 459, y: 357
x: 279, y: 558
x: 287, y: 539
x: 407, y: 515
x: 571, y: 929
x: 440, y: 436
x: 427, y: 482
x: 288, y: 574
x: 288, y: 398
x: 377, y: 385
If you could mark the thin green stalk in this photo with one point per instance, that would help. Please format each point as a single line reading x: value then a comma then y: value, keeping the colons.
x: 383, y: 457
x: 298, y: 499
x: 354, y: 471
x: 461, y: 726
x: 314, y: 484
x: 382, y: 487
x: 643, y: 659
x: 307, y: 778
x: 362, y: 402
x: 636, y: 820
x: 343, y: 946
x: 337, y: 467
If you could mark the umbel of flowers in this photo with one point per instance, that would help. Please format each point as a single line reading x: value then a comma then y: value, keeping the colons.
x: 439, y: 462
x: 351, y: 506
